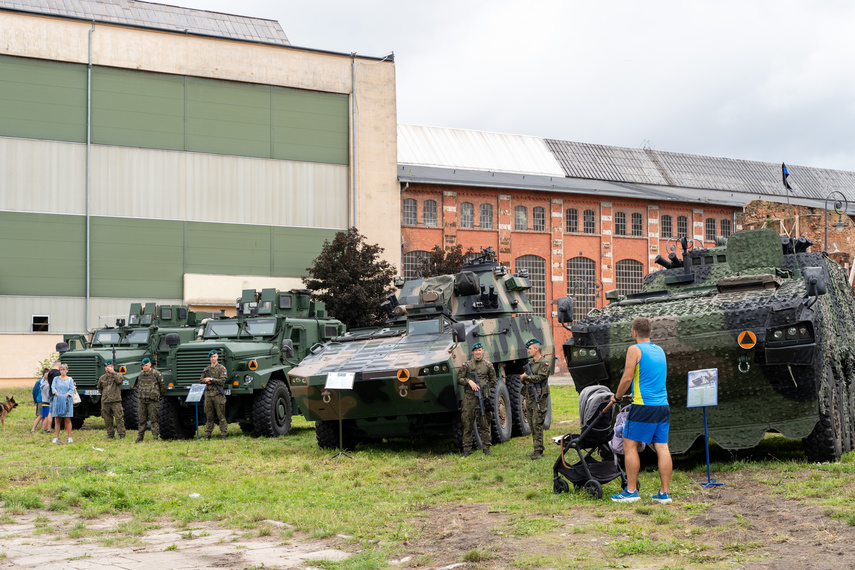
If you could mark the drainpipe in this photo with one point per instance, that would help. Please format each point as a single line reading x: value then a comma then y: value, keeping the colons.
x: 88, y: 165
x: 353, y: 166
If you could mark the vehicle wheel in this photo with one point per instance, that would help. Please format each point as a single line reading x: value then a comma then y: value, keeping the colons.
x: 844, y: 412
x: 327, y: 434
x: 271, y: 410
x: 559, y: 486
x: 476, y: 436
x: 130, y: 402
x: 501, y: 425
x: 547, y: 417
x: 824, y: 442
x: 170, y: 420
x: 519, y: 422
x: 457, y: 431
x: 594, y: 489
x: 246, y: 427
x: 77, y: 423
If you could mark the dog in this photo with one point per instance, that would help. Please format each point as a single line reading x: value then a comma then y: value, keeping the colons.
x: 6, y: 407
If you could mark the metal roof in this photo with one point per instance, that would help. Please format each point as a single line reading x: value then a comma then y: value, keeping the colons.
x: 158, y: 16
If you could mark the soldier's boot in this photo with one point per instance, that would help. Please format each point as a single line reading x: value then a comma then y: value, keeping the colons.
x: 487, y: 450
x: 537, y: 454
x: 224, y: 429
x: 139, y: 436
x: 207, y: 435
x: 155, y: 435
x: 121, y: 436
x: 110, y: 436
x: 466, y: 452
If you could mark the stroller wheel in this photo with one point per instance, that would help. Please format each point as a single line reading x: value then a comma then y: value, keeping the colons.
x: 560, y: 486
x: 594, y: 489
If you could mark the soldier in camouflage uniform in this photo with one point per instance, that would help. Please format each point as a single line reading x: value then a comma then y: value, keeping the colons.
x: 471, y: 410
x: 110, y: 386
x: 215, y: 377
x: 536, y: 381
x: 150, y: 389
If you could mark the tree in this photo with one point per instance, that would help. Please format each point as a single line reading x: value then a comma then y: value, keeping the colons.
x: 351, y: 280
x: 444, y: 262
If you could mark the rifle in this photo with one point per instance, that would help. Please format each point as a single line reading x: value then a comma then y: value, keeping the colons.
x: 533, y: 387
x: 479, y: 394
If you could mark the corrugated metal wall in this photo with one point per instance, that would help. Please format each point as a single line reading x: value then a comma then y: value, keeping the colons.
x: 66, y: 313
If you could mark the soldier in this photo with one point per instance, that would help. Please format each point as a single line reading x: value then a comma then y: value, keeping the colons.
x: 471, y: 409
x: 215, y: 377
x: 150, y: 389
x: 110, y: 386
x: 536, y: 412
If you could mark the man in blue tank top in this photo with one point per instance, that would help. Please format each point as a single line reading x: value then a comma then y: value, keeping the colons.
x: 649, y: 417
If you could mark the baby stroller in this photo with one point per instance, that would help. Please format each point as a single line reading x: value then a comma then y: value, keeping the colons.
x: 589, y: 473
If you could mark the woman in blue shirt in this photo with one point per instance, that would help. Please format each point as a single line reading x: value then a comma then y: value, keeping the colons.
x: 61, y: 404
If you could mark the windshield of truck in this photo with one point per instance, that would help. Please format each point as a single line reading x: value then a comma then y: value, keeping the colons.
x: 217, y: 329
x: 106, y: 337
x: 136, y: 336
x: 261, y: 327
x: 433, y: 326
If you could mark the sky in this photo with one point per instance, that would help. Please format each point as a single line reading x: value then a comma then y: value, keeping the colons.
x: 772, y: 81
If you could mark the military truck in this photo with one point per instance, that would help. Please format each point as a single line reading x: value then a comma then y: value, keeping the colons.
x: 777, y: 322
x: 144, y: 334
x: 271, y: 332
x: 405, y: 372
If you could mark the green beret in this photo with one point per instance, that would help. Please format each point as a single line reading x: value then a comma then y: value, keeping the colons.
x: 532, y: 341
x: 477, y: 345
x: 145, y: 360
x: 108, y: 363
x: 212, y: 353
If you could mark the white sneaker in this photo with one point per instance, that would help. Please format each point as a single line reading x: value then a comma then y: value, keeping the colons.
x: 70, y: 440
x: 55, y: 440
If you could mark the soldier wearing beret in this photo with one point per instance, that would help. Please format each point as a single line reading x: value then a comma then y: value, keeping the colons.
x: 471, y: 409
x: 537, y: 380
x: 150, y: 390
x: 110, y: 386
x: 215, y: 377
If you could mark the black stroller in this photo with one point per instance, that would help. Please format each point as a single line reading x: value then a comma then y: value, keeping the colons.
x: 597, y: 431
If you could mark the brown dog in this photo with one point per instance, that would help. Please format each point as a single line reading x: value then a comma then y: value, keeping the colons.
x: 6, y: 407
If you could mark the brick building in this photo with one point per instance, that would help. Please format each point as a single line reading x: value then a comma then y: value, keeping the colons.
x: 582, y: 219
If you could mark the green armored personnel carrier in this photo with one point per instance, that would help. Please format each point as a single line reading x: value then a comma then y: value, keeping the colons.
x: 405, y: 372
x: 777, y: 322
x: 144, y: 334
x: 272, y: 331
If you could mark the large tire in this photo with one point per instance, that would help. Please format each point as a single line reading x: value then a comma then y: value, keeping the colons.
x: 824, y: 442
x: 130, y: 405
x: 328, y: 437
x: 547, y: 417
x: 271, y: 410
x: 456, y: 431
x: 169, y: 420
x: 519, y: 422
x: 76, y: 422
x: 502, y: 424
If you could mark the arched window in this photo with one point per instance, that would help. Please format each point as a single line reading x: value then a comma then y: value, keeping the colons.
x: 486, y: 217
x: 666, y: 228
x: 411, y: 217
x: 467, y: 215
x: 520, y: 218
x: 682, y: 226
x: 538, y: 219
x: 571, y: 220
x: 430, y: 213
x: 413, y: 262
x: 637, y: 224
x: 725, y: 228
x: 629, y: 275
x: 582, y: 285
x: 590, y: 223
x: 536, y: 267
x: 620, y: 223
x: 709, y: 229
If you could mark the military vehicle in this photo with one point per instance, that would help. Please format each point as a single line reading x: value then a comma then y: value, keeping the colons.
x: 271, y: 332
x: 405, y: 372
x: 144, y: 334
x: 777, y: 322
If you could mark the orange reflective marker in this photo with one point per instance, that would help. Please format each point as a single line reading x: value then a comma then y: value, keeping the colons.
x: 403, y: 375
x: 747, y: 339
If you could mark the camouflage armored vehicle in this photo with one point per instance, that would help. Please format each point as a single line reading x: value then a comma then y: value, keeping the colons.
x: 144, y: 334
x: 777, y: 322
x: 405, y: 373
x: 269, y: 335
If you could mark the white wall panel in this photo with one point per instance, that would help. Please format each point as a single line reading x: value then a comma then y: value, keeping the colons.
x: 42, y: 176
x: 66, y: 313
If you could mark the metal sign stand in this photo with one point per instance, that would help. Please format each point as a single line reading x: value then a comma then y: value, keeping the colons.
x: 340, y: 381
x: 703, y: 392
x: 194, y: 396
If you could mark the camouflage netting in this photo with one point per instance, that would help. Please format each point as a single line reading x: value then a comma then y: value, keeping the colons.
x: 442, y: 285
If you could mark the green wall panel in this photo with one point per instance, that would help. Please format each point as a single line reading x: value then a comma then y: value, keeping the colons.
x: 310, y: 126
x: 133, y: 108
x: 42, y: 254
x: 137, y: 258
x: 228, y: 118
x: 294, y: 249
x: 42, y: 99
x: 228, y: 249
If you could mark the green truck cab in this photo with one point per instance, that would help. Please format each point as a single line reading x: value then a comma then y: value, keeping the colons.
x: 271, y: 332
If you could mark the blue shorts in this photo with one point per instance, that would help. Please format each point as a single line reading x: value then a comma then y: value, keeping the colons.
x: 648, y: 424
x: 45, y: 410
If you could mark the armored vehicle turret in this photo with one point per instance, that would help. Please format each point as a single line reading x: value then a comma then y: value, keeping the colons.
x: 272, y: 331
x: 777, y: 322
x: 405, y: 372
x: 143, y: 335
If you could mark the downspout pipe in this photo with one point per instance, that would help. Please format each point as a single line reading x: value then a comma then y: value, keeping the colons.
x: 353, y: 167
x: 88, y: 167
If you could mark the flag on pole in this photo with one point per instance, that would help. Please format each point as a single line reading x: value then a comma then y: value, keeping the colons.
x: 784, y: 175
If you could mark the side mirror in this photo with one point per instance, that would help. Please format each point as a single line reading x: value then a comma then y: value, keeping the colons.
x: 458, y: 332
x: 288, y: 348
x: 565, y: 311
x: 62, y: 347
x: 173, y: 340
x: 814, y: 281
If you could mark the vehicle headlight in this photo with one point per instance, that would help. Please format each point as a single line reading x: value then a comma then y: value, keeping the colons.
x: 247, y: 379
x: 778, y: 335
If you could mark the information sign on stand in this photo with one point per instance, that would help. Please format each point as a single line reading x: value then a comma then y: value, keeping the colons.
x: 194, y: 396
x: 340, y: 381
x: 702, y: 392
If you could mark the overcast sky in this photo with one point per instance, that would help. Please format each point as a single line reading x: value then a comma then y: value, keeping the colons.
x: 760, y: 80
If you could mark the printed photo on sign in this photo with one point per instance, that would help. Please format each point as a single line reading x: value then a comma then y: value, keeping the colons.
x: 703, y: 388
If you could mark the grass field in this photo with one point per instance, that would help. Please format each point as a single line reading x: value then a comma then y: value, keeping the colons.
x: 383, y: 497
